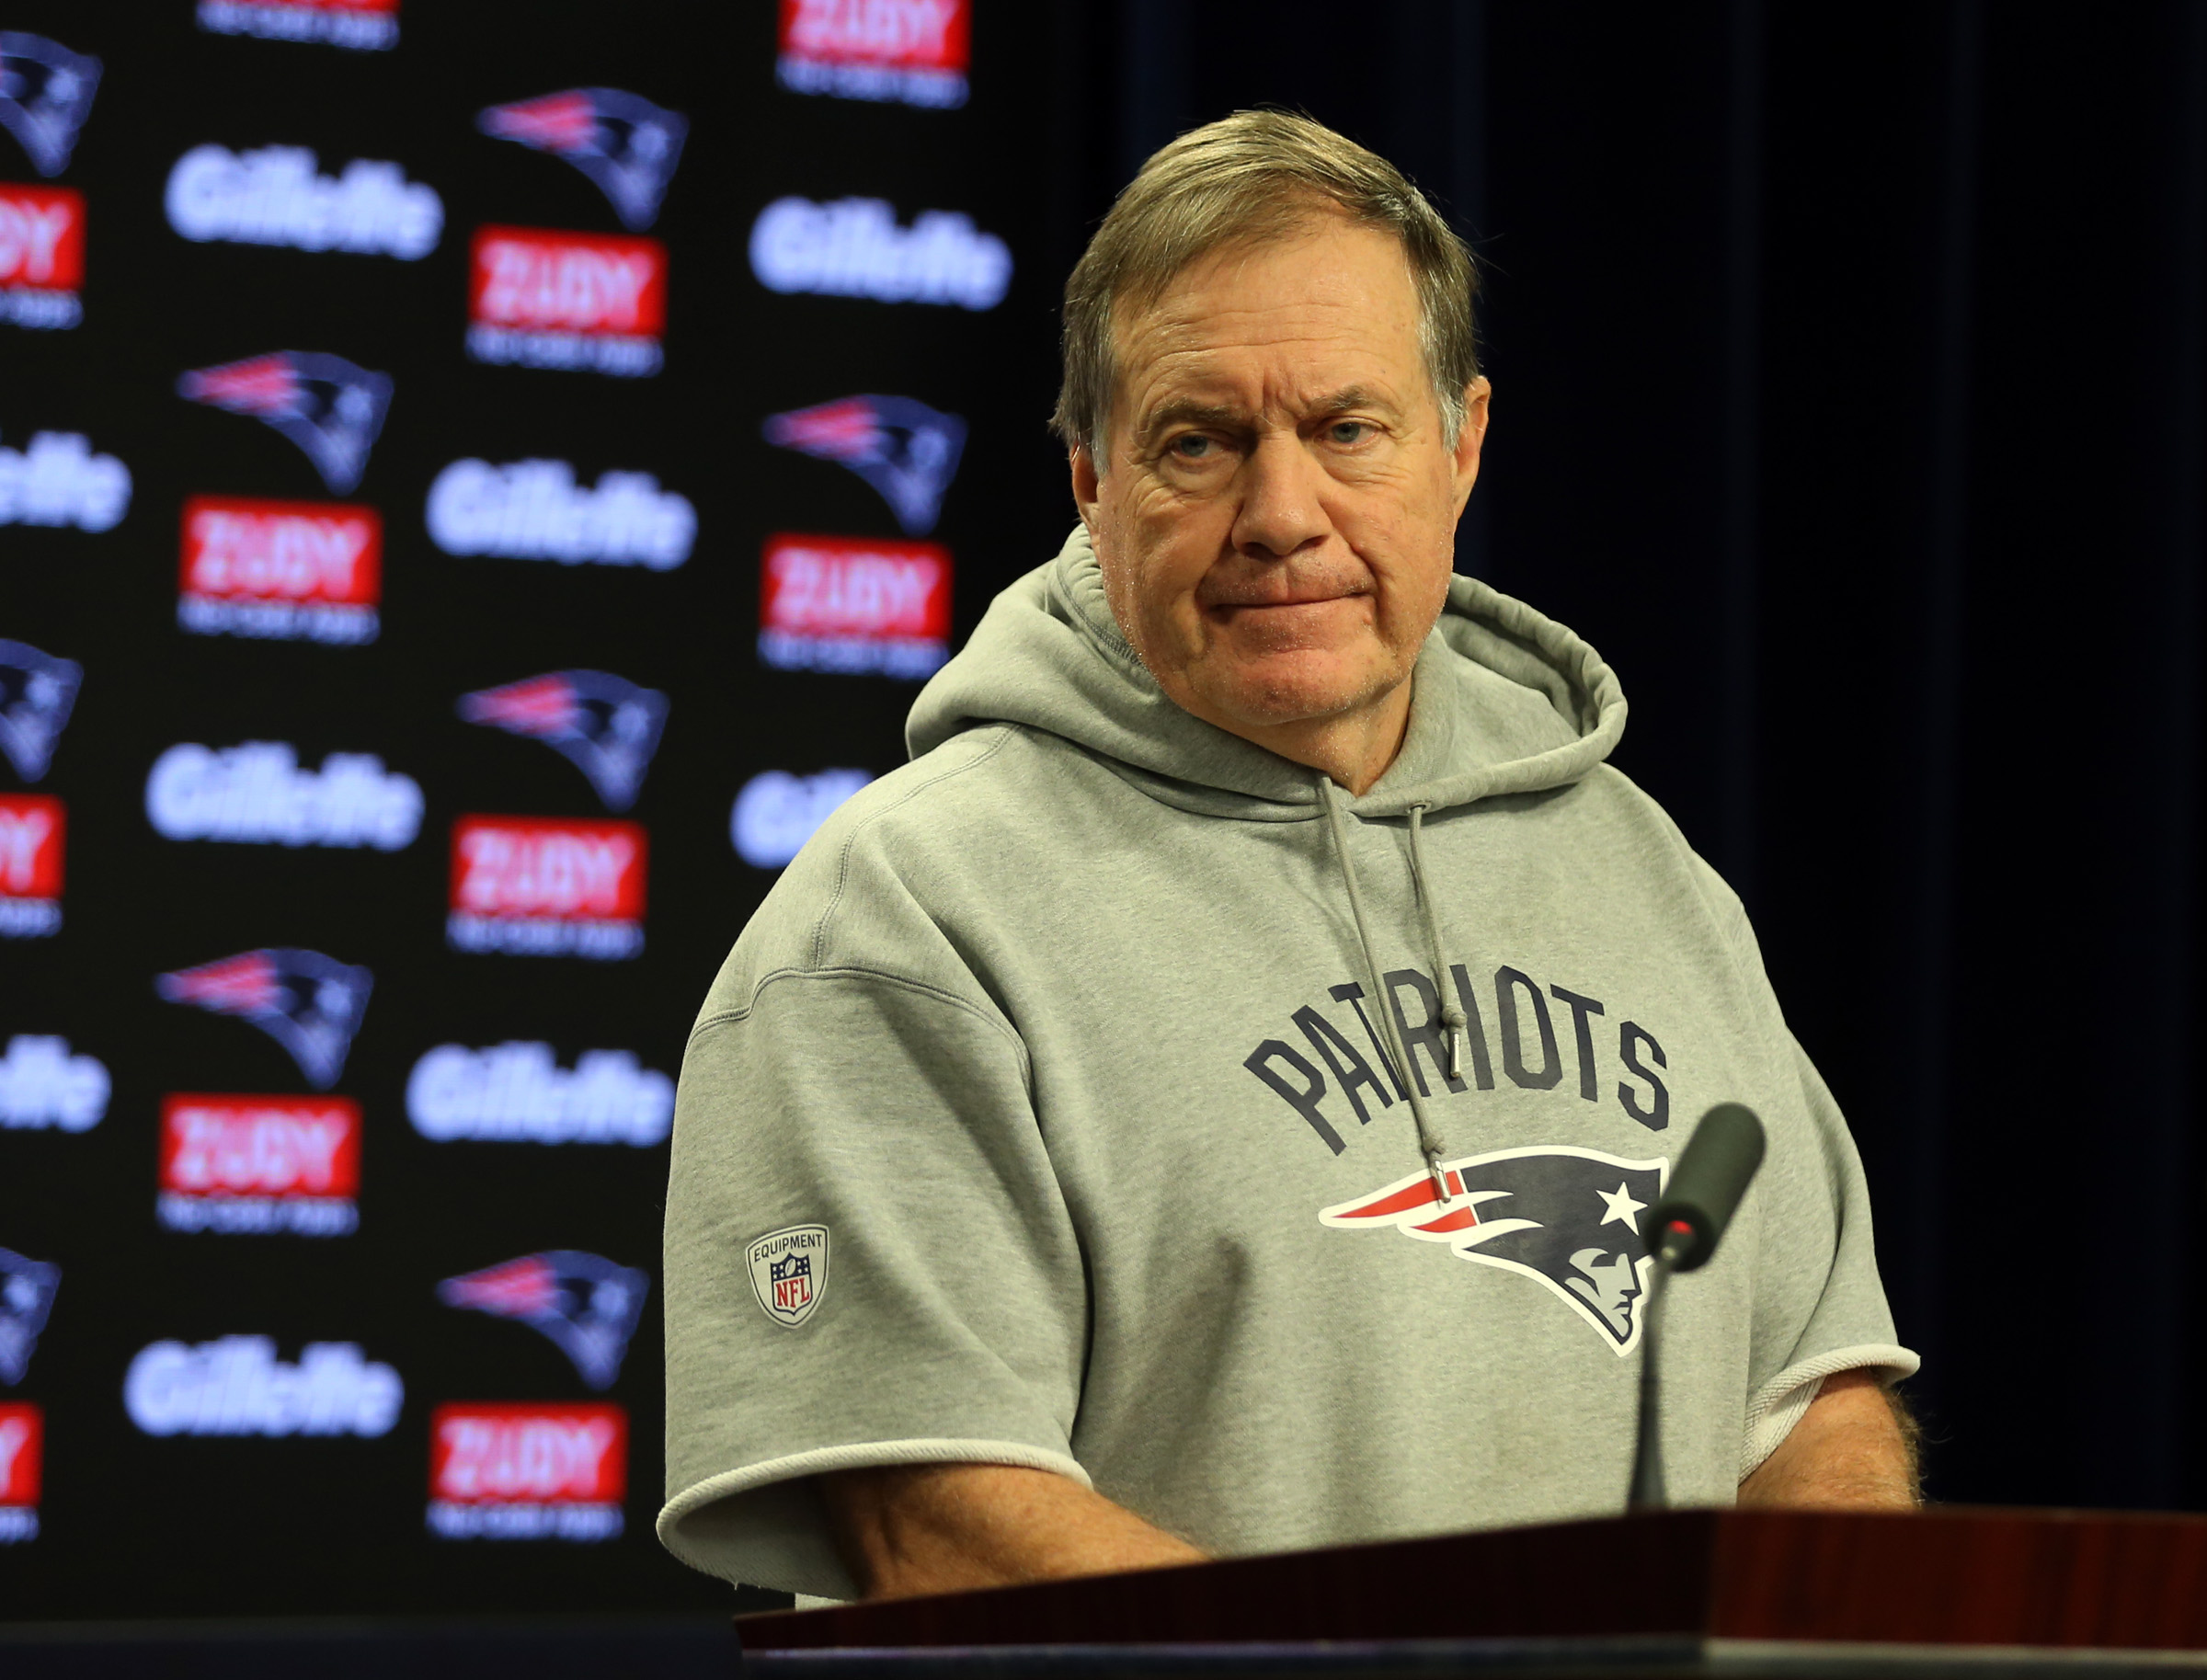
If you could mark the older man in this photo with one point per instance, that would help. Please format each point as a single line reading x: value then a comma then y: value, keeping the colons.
x: 1204, y: 1103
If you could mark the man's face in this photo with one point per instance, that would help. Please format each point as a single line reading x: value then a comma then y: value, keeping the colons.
x: 1276, y: 521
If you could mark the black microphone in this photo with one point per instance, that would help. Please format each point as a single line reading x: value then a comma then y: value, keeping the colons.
x: 1686, y: 1223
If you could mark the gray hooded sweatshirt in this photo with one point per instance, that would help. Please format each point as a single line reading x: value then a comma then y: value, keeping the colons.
x: 1104, y: 1093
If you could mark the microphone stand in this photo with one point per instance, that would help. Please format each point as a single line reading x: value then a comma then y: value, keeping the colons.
x: 1647, y: 1492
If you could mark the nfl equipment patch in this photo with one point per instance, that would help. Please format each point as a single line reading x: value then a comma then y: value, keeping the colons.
x: 789, y: 1272
x: 1568, y: 1218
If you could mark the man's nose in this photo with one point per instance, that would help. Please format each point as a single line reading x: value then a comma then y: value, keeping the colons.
x: 1282, y: 510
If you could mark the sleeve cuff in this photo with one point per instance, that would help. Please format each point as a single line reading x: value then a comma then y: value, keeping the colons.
x: 762, y: 1525
x: 1783, y: 1400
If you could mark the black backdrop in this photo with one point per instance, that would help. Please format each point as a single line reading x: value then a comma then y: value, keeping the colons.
x: 1848, y: 381
x: 1848, y: 375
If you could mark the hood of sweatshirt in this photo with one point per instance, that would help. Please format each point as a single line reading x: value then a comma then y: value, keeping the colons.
x: 1504, y: 701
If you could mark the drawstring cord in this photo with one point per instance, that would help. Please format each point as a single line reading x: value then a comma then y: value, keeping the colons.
x: 1430, y: 1142
x: 1452, y: 1006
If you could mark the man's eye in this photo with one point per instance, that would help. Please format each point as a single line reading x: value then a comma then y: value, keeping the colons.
x: 1349, y: 431
x: 1193, y: 447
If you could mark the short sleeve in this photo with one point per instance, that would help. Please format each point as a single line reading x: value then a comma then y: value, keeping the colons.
x: 951, y: 1312
x: 1849, y: 1325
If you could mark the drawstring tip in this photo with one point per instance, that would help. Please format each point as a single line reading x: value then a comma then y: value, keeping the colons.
x: 1440, y: 1185
x: 1456, y: 1022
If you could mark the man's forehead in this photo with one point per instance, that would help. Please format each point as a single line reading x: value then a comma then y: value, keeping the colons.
x: 1295, y: 322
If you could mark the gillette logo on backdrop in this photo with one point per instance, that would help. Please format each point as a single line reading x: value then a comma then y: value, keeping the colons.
x: 309, y: 1003
x: 627, y: 145
x: 547, y: 887
x: 330, y: 408
x: 854, y: 249
x: 42, y: 1085
x: 237, y: 1387
x: 41, y: 256
x: 854, y: 604
x: 606, y: 726
x: 261, y: 1164
x: 57, y: 480
x: 518, y: 1092
x: 909, y: 50
x: 776, y: 813
x: 358, y: 26
x: 280, y: 571
x: 535, y: 510
x: 528, y: 1472
x: 31, y: 828
x: 275, y: 196
x: 257, y: 794
x: 595, y: 301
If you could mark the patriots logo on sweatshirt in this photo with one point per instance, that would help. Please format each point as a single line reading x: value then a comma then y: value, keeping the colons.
x: 1567, y: 1217
x: 584, y: 1303
x: 907, y: 451
x: 36, y: 692
x: 330, y: 408
x: 606, y: 726
x: 309, y: 1003
x: 45, y: 94
x: 26, y: 1291
x: 627, y: 145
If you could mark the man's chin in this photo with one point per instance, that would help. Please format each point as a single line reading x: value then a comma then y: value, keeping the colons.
x: 1300, y: 688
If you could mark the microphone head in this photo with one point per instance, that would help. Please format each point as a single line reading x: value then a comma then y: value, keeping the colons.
x: 1713, y: 1174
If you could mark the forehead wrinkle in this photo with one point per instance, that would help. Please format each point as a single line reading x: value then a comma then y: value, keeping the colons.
x: 1192, y: 402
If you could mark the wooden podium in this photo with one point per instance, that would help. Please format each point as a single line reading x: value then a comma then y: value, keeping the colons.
x: 1985, y: 1591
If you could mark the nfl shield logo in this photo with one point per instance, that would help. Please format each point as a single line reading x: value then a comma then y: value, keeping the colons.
x: 789, y: 1272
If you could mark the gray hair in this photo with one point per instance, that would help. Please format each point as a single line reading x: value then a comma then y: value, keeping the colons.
x: 1248, y: 179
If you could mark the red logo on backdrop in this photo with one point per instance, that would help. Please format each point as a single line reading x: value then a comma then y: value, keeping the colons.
x: 540, y: 299
x: 261, y: 1164
x: 854, y: 604
x: 41, y: 256
x: 910, y: 50
x: 282, y: 571
x: 528, y: 1471
x: 22, y: 1447
x: 32, y: 829
x: 547, y: 887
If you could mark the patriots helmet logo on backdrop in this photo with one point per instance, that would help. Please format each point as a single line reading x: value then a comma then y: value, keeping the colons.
x: 605, y: 725
x: 45, y: 94
x: 309, y: 1003
x: 26, y: 1291
x: 1567, y: 1217
x: 584, y: 1303
x: 627, y: 145
x: 36, y: 692
x: 907, y: 451
x: 332, y: 409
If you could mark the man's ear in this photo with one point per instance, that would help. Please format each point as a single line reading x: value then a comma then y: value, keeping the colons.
x: 1472, y: 439
x: 1088, y: 491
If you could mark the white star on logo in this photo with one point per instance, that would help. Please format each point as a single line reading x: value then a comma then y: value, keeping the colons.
x: 1622, y: 1206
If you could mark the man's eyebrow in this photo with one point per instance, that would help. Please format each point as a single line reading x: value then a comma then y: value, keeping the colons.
x: 1187, y: 411
x: 1352, y: 397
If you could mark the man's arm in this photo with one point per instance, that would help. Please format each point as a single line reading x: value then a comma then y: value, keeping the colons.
x: 943, y: 1528
x: 1854, y: 1449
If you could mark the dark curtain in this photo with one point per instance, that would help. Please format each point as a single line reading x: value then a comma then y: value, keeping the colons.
x: 1848, y: 382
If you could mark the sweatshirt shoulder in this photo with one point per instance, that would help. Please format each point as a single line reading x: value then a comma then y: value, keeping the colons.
x: 864, y: 895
